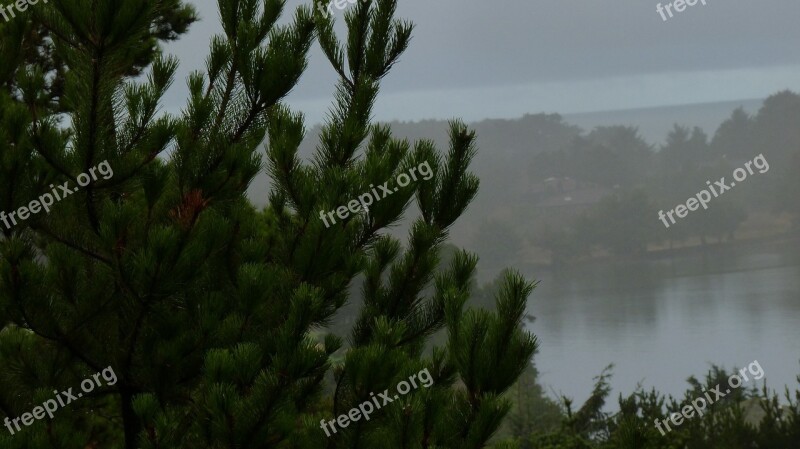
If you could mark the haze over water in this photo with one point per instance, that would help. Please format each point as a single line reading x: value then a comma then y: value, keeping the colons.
x: 661, y: 321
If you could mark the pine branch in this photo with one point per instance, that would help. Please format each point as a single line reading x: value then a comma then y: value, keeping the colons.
x: 98, y: 257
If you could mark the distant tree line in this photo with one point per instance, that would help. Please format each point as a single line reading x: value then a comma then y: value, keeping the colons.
x: 642, y: 179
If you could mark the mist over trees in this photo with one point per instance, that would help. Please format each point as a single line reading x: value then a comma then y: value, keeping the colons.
x: 238, y: 323
x: 555, y: 184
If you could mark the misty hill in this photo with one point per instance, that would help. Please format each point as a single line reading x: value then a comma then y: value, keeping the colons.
x: 506, y: 145
x: 547, y: 179
x: 655, y: 123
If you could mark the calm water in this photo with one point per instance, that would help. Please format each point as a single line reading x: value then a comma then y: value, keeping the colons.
x: 661, y: 321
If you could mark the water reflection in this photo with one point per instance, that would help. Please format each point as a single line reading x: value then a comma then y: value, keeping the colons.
x: 662, y: 320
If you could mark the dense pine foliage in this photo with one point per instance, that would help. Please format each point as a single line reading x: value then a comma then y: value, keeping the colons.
x: 208, y: 310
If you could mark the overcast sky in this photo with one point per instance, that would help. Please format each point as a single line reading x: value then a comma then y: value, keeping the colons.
x: 504, y: 58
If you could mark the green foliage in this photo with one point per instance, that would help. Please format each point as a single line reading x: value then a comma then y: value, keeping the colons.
x: 735, y: 137
x: 621, y: 223
x: 209, y: 311
x: 624, y: 222
x: 614, y: 161
x: 532, y: 410
x: 685, y: 149
x: 745, y: 418
x: 569, y: 243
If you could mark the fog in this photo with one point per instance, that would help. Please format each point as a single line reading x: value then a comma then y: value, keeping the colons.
x: 593, y: 119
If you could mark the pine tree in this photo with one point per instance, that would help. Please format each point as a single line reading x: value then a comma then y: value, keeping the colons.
x: 206, y: 309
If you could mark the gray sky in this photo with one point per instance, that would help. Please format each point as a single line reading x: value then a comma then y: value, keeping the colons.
x: 503, y: 58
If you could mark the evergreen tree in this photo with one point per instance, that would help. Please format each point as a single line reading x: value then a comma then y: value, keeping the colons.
x: 624, y: 223
x: 684, y: 151
x: 734, y: 138
x: 205, y: 309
